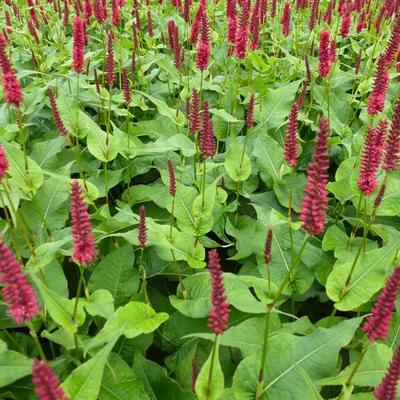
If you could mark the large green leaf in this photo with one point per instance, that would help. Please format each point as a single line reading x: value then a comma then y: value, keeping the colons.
x: 130, y: 320
x: 84, y: 382
x: 237, y: 162
x: 116, y: 274
x: 13, y: 365
x: 292, y: 362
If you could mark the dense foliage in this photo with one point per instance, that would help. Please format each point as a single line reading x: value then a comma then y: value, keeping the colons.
x: 199, y: 200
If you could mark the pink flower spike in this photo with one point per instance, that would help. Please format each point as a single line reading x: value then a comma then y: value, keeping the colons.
x: 82, y: 235
x: 219, y: 314
x: 47, y: 384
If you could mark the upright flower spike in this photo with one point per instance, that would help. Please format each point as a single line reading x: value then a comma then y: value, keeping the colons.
x: 204, y: 47
x: 4, y: 165
x: 197, y: 22
x: 387, y: 389
x: 242, y: 32
x: 5, y: 64
x: 172, y: 179
x: 126, y: 88
x: 110, y: 67
x: 315, y: 201
x: 56, y: 114
x: 47, y: 384
x: 219, y: 314
x: 285, y: 21
x: 268, y: 245
x: 82, y: 235
x: 291, y: 149
x: 142, y: 231
x: 195, y: 122
x: 314, y: 14
x: 393, y: 44
x: 371, y: 158
x: 377, y: 325
x: 18, y: 293
x: 88, y: 11
x: 207, y: 139
x: 115, y: 17
x: 345, y: 24
x: 392, y: 145
x: 250, y: 112
x: 78, y: 51
x: 376, y: 100
x: 324, y: 54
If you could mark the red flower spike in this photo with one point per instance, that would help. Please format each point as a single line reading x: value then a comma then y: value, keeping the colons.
x: 379, y: 197
x: 232, y: 27
x: 376, y: 100
x: 371, y: 158
x: 291, y: 145
x: 172, y: 180
x: 149, y: 24
x: 250, y: 112
x: 392, y: 145
x: 115, y: 17
x: 345, y: 24
x: 5, y: 64
x: 78, y: 51
x: 387, y: 390
x: 315, y: 201
x: 18, y: 293
x: 126, y: 88
x: 324, y: 54
x: 196, y: 26
x: 88, y: 11
x: 204, y: 47
x: 219, y: 314
x: 110, y: 67
x: 393, y: 44
x: 82, y: 235
x: 268, y: 245
x: 314, y: 14
x: 12, y: 89
x: 56, y: 114
x: 285, y: 21
x: 376, y: 326
x: 207, y: 139
x: 66, y: 13
x: 142, y: 231
x: 242, y: 33
x: 333, y: 53
x: 195, y: 122
x: 4, y: 165
x: 47, y: 384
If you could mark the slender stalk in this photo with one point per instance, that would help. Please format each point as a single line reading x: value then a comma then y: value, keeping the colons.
x: 144, y: 281
x: 260, y: 385
x: 354, y: 370
x: 35, y: 338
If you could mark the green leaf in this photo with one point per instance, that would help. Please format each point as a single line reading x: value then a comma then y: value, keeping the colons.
x: 13, y: 365
x: 100, y: 302
x: 210, y: 383
x: 224, y: 115
x: 269, y: 157
x: 292, y: 362
x: 102, y: 146
x: 371, y: 370
x: 120, y: 382
x: 116, y: 274
x: 130, y: 320
x: 27, y: 180
x: 198, y: 304
x: 84, y: 382
x: 175, y: 115
x: 237, y: 162
x: 368, y: 277
x: 60, y: 308
x: 276, y: 106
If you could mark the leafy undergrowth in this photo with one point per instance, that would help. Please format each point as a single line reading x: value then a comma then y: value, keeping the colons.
x: 199, y: 201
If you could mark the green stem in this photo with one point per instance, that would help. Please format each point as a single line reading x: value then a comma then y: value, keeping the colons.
x: 214, y: 350
x: 260, y: 385
x: 35, y: 338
